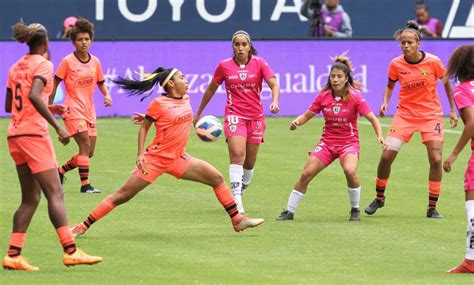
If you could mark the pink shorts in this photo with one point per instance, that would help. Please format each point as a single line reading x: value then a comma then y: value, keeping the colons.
x: 157, y: 165
x: 469, y: 175
x: 253, y: 130
x: 328, y: 154
x: 75, y: 126
x: 36, y: 151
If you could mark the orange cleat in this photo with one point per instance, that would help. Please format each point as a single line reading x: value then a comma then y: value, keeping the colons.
x: 17, y: 263
x: 464, y: 267
x: 246, y: 223
x: 77, y: 230
x: 79, y: 258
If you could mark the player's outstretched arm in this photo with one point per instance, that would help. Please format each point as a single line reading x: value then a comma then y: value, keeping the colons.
x: 468, y: 117
x: 301, y: 120
x: 208, y: 94
x: 377, y: 127
x: 453, y: 117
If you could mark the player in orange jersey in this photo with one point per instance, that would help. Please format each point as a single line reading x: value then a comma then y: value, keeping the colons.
x: 419, y: 110
x: 461, y: 66
x: 30, y: 82
x: 172, y: 116
x: 81, y: 73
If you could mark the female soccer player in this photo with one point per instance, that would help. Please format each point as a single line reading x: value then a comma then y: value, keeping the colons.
x: 29, y: 84
x: 172, y: 116
x: 419, y: 110
x: 341, y: 102
x: 244, y: 123
x: 461, y: 66
x: 81, y: 72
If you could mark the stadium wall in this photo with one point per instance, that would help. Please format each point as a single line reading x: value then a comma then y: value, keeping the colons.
x: 301, y: 66
x: 218, y: 19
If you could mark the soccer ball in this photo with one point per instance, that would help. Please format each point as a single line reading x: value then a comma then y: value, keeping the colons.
x: 208, y: 128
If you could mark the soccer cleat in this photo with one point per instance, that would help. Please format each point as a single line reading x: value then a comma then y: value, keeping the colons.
x: 17, y: 263
x: 246, y: 223
x: 79, y: 258
x: 433, y: 213
x: 355, y: 215
x: 463, y: 267
x: 89, y: 189
x: 77, y: 230
x: 372, y: 208
x: 286, y: 215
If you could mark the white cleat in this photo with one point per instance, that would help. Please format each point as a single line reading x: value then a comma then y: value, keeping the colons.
x: 246, y: 223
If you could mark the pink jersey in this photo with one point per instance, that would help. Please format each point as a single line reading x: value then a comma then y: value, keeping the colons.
x: 464, y: 97
x: 340, y: 127
x: 243, y: 85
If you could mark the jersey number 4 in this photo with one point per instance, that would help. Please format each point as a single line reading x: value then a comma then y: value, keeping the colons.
x: 18, y: 98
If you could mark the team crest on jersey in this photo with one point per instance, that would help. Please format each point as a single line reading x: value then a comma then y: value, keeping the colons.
x: 392, y: 130
x: 317, y: 149
x: 336, y: 109
x: 243, y: 76
x: 93, y: 71
x: 82, y: 124
x: 425, y: 72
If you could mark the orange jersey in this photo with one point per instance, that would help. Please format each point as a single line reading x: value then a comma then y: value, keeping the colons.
x: 25, y: 119
x: 173, y: 119
x: 418, y: 96
x: 80, y: 79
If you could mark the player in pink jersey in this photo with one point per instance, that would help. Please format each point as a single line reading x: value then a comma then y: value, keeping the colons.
x: 340, y: 102
x: 418, y: 110
x: 81, y: 73
x: 172, y: 116
x: 244, y: 121
x: 29, y: 84
x: 461, y: 67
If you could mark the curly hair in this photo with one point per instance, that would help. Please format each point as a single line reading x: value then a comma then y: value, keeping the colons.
x: 343, y: 63
x: 33, y: 34
x: 82, y: 26
x: 461, y: 63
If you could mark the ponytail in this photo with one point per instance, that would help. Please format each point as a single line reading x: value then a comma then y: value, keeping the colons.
x: 343, y: 63
x: 140, y: 87
x: 33, y: 34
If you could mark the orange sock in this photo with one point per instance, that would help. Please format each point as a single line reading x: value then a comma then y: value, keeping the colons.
x: 435, y: 190
x: 83, y: 162
x: 99, y: 212
x: 69, y: 165
x: 227, y: 201
x: 380, y: 185
x: 66, y: 239
x: 17, y: 241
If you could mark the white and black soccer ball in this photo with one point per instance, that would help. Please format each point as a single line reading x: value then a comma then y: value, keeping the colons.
x: 209, y: 128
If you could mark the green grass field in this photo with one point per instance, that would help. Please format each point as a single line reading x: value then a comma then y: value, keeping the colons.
x: 175, y: 232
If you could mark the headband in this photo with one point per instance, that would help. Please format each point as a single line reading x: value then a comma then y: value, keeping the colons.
x: 242, y: 33
x: 169, y: 77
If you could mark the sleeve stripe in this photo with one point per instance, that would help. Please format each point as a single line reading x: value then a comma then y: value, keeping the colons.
x: 392, y: 79
x: 149, y: 119
x: 58, y: 78
x: 101, y: 82
x: 41, y: 78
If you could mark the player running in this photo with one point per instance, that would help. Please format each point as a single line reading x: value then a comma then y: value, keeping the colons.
x: 461, y: 66
x: 340, y: 102
x: 172, y: 116
x: 30, y: 82
x: 244, y: 122
x: 81, y: 72
x: 419, y: 110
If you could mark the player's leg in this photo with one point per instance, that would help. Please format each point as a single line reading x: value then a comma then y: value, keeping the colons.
x: 30, y: 197
x: 134, y: 184
x: 201, y: 171
x: 83, y: 140
x: 237, y: 146
x: 73, y: 127
x: 434, y: 149
x: 349, y: 164
x: 313, y: 166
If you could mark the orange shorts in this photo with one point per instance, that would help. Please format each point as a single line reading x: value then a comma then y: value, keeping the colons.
x: 157, y: 165
x: 36, y: 151
x: 431, y: 129
x: 75, y: 126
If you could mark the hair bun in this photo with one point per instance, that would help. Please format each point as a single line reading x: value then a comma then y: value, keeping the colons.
x: 342, y: 58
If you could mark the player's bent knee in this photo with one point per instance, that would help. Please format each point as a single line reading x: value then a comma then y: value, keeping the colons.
x: 394, y: 144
